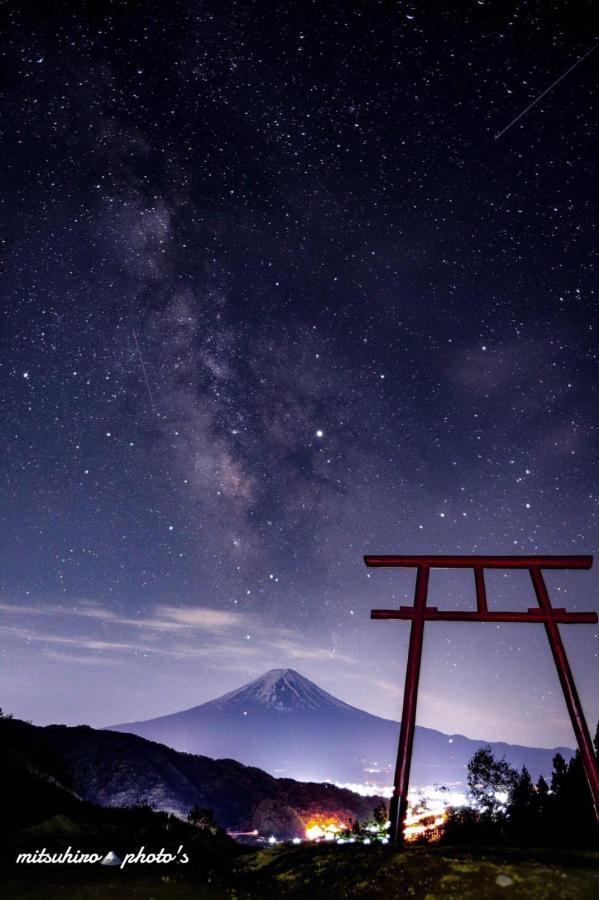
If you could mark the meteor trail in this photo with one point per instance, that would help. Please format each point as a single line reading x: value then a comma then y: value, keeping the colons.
x: 546, y: 91
x: 143, y: 368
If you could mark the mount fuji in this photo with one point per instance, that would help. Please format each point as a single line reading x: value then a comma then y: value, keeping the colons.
x: 284, y: 723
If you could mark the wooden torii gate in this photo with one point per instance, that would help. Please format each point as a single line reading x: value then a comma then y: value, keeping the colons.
x: 545, y: 613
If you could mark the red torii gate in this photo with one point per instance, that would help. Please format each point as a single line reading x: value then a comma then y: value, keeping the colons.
x: 419, y: 613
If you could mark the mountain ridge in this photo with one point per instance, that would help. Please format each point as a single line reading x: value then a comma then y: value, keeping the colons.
x: 284, y: 723
x: 84, y: 765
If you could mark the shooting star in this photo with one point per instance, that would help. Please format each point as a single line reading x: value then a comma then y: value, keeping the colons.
x: 546, y: 91
x: 143, y: 368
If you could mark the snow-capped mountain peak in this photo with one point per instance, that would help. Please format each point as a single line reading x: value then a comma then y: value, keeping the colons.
x: 283, y: 690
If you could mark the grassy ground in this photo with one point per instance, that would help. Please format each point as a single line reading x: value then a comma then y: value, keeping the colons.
x: 313, y: 871
x: 364, y: 872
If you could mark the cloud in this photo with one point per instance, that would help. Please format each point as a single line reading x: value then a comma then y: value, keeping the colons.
x: 75, y: 659
x: 200, y: 617
x: 81, y: 641
x: 296, y: 650
x: 221, y: 634
x: 391, y: 687
x: 84, y: 609
x: 164, y: 617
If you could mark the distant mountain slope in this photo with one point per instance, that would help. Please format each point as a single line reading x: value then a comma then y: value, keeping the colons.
x: 109, y: 768
x: 287, y: 725
x: 41, y: 808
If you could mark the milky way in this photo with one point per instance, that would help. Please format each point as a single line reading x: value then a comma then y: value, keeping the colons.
x: 366, y: 326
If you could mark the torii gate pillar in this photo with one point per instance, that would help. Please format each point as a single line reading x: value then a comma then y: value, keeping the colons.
x: 544, y: 613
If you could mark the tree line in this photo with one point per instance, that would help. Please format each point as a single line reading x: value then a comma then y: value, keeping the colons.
x: 508, y: 808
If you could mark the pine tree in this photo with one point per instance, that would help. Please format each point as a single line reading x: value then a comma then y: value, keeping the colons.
x: 542, y: 796
x: 570, y: 817
x: 558, y: 775
x: 522, y: 809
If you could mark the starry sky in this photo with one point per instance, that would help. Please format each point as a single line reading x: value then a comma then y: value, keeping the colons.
x: 275, y: 296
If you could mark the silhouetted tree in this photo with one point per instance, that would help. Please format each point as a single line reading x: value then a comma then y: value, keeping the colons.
x: 542, y: 802
x: 522, y: 809
x: 380, y: 814
x: 560, y: 768
x: 557, y: 815
x: 488, y: 777
x: 572, y: 812
x: 465, y: 825
x: 542, y: 789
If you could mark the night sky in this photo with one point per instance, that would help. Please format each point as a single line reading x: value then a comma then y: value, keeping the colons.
x: 274, y: 296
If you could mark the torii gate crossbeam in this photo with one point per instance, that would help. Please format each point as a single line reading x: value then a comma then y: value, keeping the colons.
x: 419, y: 613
